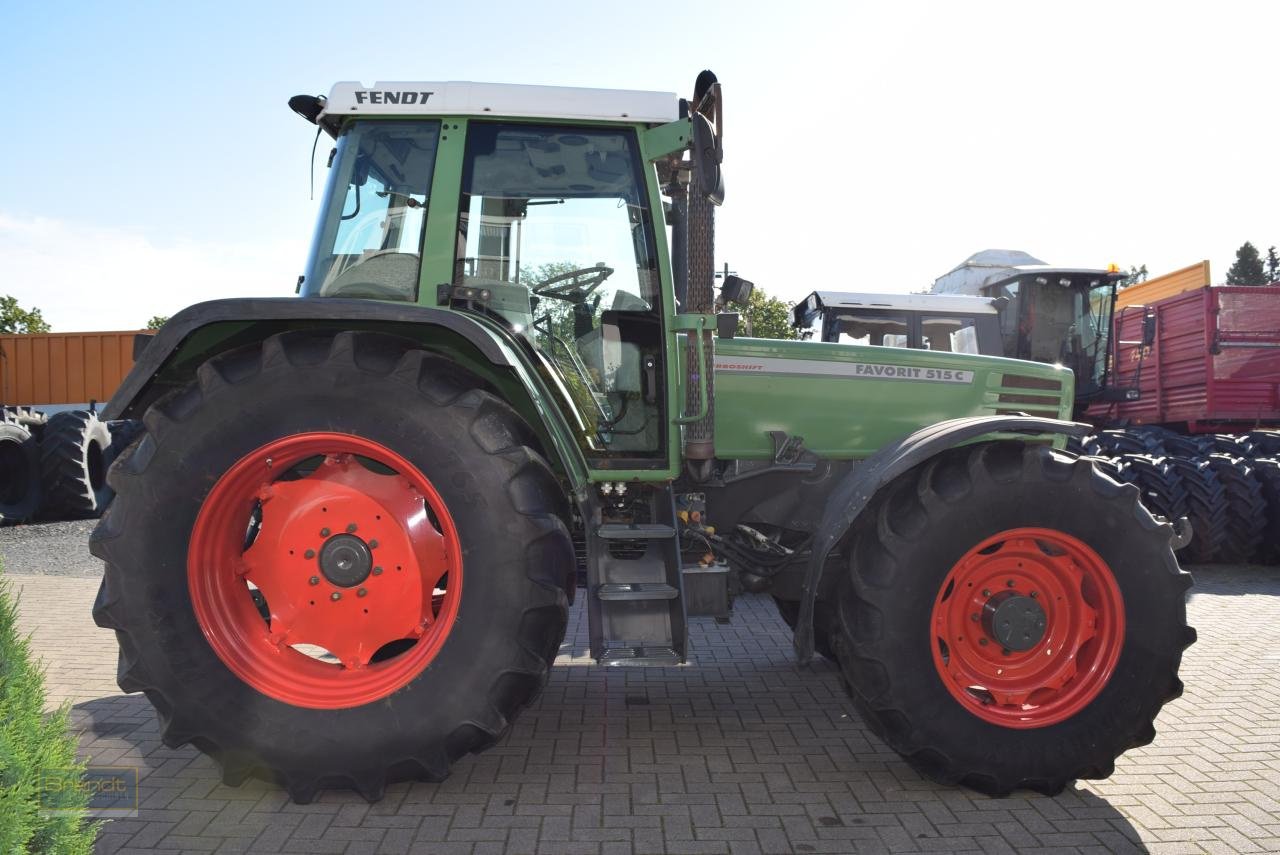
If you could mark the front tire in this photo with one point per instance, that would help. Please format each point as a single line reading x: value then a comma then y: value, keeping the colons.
x: 1011, y: 619
x: 208, y: 586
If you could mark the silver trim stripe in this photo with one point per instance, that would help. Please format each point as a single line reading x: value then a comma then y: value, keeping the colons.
x: 860, y: 370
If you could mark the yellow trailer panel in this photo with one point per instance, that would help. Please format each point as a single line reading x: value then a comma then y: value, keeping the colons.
x: 1145, y: 293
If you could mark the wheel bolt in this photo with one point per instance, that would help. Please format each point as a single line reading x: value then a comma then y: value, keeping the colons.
x: 335, y: 596
x: 351, y: 527
x: 324, y: 532
x: 362, y: 592
x: 1005, y: 651
x: 986, y: 592
x: 373, y: 544
x: 314, y: 580
x: 1010, y: 583
x: 982, y: 641
x: 310, y: 553
x: 1035, y: 595
x: 377, y: 571
x: 974, y: 617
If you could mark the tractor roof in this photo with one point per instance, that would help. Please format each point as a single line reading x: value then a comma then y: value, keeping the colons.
x: 463, y: 98
x: 807, y: 310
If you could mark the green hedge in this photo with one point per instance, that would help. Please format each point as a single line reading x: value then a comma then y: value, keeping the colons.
x: 31, y: 742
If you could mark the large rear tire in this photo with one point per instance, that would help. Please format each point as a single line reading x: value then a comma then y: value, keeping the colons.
x: 365, y: 430
x: 1011, y: 619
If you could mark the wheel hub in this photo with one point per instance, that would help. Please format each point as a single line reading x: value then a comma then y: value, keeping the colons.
x: 1014, y: 621
x: 345, y: 560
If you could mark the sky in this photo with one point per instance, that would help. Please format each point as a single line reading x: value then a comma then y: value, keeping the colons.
x: 149, y: 161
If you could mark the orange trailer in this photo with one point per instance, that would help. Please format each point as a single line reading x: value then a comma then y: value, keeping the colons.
x: 63, y: 368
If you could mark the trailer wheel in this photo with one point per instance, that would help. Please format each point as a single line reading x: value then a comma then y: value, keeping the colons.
x: 1246, y: 509
x: 19, y: 473
x: 335, y: 561
x: 73, y: 465
x: 1011, y: 619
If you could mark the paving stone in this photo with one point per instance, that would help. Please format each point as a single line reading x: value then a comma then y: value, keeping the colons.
x: 739, y: 752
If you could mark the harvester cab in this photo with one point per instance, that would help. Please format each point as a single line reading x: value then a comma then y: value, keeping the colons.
x: 509, y: 372
x: 1056, y: 315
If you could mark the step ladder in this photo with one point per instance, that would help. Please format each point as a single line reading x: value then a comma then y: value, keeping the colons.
x: 635, y: 590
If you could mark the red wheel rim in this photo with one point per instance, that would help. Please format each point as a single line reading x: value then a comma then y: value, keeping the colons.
x: 355, y: 555
x: 1027, y: 628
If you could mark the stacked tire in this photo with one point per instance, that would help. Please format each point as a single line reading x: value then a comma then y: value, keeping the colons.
x: 19, y: 467
x: 1226, y: 485
x: 55, y: 467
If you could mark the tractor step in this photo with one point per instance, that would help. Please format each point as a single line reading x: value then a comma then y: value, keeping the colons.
x: 637, y: 591
x: 637, y: 608
x: 619, y: 654
x: 631, y: 531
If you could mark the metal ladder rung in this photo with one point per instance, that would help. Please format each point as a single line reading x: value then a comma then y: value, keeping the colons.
x: 636, y: 591
x: 647, y: 531
x: 618, y: 653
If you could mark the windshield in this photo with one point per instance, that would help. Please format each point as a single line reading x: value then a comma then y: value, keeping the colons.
x: 369, y: 239
x: 1064, y: 324
x: 554, y: 226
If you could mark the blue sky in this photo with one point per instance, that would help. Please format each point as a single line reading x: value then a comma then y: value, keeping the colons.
x: 149, y: 159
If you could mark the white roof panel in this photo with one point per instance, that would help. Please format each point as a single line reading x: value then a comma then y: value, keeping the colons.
x: 463, y: 98
x: 908, y: 302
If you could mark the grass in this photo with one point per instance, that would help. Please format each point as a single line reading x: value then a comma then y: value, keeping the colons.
x: 31, y: 743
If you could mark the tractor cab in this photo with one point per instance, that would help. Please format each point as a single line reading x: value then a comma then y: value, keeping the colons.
x: 949, y: 323
x: 550, y: 223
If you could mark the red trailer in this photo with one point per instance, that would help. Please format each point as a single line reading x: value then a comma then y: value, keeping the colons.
x: 1212, y: 365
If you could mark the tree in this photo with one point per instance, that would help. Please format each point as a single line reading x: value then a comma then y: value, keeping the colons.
x: 157, y: 321
x: 1248, y: 267
x: 1136, y: 275
x: 1273, y: 265
x: 15, y: 319
x: 768, y: 317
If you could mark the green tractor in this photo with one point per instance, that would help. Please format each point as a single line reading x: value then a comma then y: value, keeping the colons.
x: 343, y: 551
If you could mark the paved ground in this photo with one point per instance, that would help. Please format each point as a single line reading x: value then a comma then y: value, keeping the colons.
x: 739, y: 753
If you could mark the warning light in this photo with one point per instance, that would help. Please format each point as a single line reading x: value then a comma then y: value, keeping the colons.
x: 1113, y: 268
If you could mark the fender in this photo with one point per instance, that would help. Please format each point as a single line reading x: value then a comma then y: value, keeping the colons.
x: 852, y: 495
x: 132, y: 396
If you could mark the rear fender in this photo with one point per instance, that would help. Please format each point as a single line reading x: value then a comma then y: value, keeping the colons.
x: 196, y: 334
x: 852, y: 495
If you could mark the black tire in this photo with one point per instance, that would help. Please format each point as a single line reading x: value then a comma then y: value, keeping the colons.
x: 124, y: 433
x: 1246, y: 509
x: 1112, y: 443
x: 903, y: 549
x: 73, y: 465
x: 1162, y: 490
x: 789, y: 610
x: 506, y: 504
x: 1267, y: 471
x: 1206, y: 508
x: 19, y: 474
x: 1266, y: 443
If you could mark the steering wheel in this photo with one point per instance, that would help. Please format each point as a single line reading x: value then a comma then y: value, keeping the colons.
x: 575, y: 285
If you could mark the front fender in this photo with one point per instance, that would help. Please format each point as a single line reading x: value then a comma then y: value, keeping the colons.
x: 852, y: 495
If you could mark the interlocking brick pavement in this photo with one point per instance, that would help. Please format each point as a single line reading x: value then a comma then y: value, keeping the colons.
x: 738, y: 753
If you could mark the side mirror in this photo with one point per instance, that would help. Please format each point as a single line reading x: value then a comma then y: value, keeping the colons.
x: 707, y: 155
x: 307, y: 106
x: 1149, y: 329
x: 736, y: 290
